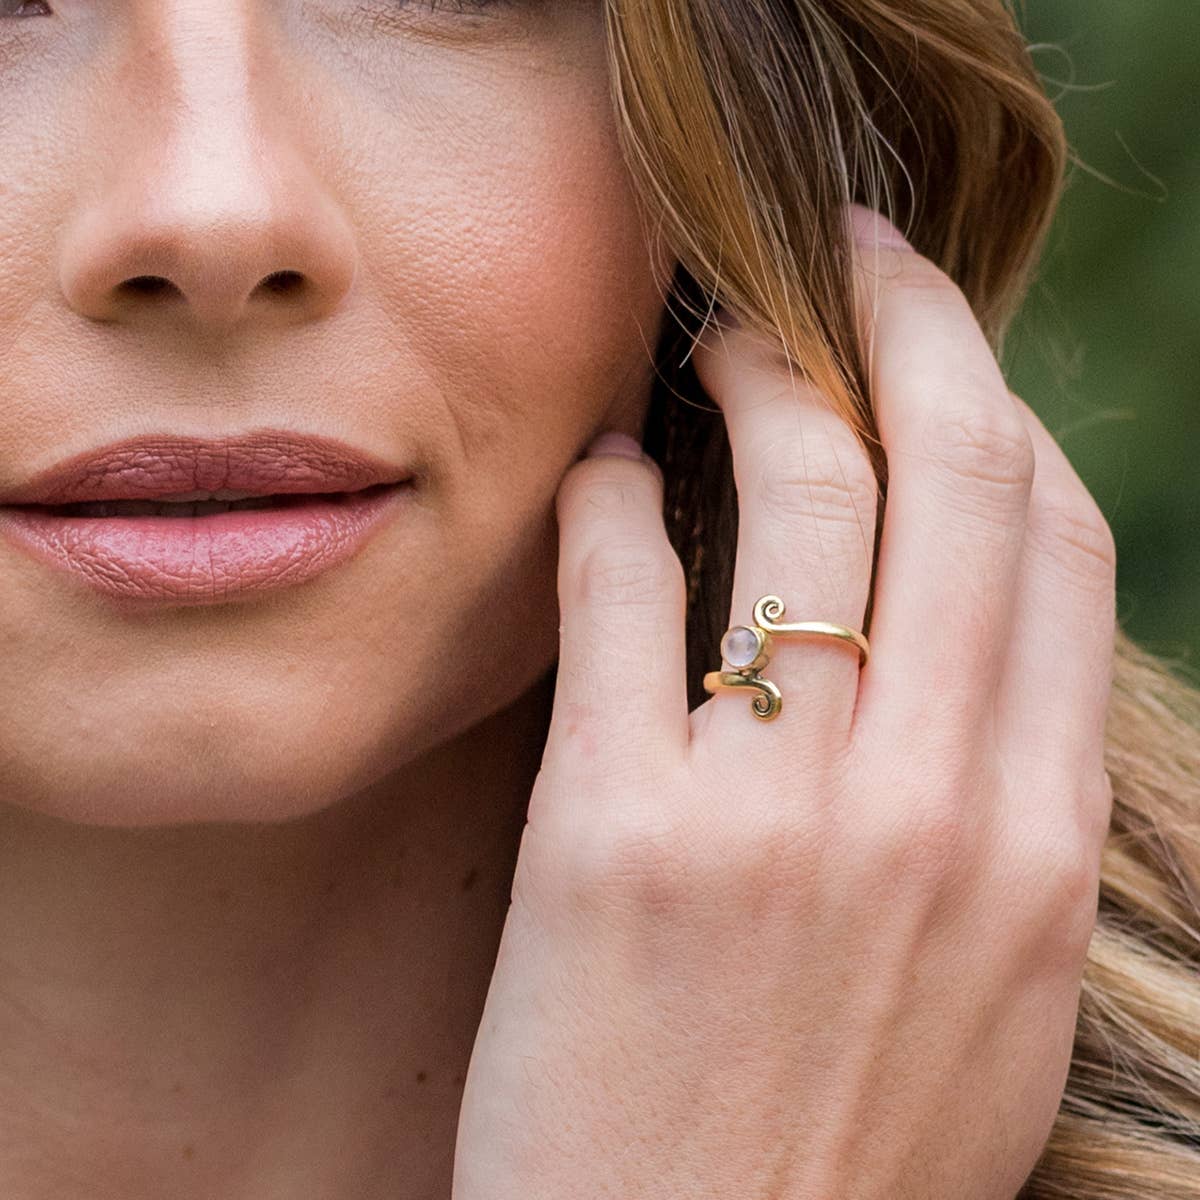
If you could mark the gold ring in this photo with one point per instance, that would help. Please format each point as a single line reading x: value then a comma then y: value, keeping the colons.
x: 747, y: 649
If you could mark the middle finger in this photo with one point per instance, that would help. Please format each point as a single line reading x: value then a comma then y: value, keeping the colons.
x: 960, y: 473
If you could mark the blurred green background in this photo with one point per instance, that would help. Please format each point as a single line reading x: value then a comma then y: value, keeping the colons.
x: 1107, y: 346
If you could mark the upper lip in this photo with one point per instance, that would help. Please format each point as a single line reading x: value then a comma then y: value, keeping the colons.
x: 264, y: 462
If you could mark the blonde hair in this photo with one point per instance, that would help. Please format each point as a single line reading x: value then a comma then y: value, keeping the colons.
x: 748, y: 125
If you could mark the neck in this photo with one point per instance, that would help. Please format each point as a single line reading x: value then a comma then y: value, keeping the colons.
x: 247, y: 1009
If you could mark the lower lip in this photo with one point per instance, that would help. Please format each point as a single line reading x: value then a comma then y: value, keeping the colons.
x: 208, y: 559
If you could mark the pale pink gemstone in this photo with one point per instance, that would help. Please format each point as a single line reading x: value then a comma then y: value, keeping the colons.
x: 739, y: 646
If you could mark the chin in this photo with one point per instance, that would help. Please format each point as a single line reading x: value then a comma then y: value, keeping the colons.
x: 277, y: 756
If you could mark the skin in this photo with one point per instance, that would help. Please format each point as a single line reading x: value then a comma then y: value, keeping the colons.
x: 242, y: 846
x: 219, y: 967
x: 838, y: 956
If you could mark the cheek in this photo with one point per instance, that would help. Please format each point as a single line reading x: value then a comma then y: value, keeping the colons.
x: 509, y: 260
x: 523, y: 304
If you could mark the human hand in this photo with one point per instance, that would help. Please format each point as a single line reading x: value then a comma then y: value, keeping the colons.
x: 837, y: 954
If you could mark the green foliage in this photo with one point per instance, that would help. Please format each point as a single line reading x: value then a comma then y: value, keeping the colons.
x: 1107, y: 348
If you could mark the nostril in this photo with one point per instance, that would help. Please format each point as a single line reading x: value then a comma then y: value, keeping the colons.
x: 282, y: 282
x: 278, y: 282
x: 147, y: 285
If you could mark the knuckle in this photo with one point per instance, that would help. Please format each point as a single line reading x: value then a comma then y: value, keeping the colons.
x: 628, y: 860
x: 611, y: 487
x: 922, y: 274
x: 934, y: 835
x: 825, y: 477
x: 1062, y: 872
x: 923, y: 836
x: 751, y: 853
x: 628, y: 570
x: 1098, y: 811
x: 910, y: 271
x: 1077, y: 538
x: 1091, y: 800
x: 1062, y: 859
x: 653, y: 866
x: 982, y: 445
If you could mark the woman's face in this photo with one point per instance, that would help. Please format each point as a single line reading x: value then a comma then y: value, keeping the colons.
x: 473, y: 297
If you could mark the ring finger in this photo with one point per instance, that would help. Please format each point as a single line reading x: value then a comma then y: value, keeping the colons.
x: 807, y: 497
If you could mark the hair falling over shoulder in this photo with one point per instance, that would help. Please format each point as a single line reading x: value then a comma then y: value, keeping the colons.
x: 748, y: 126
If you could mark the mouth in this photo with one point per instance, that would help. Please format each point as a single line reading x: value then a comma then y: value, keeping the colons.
x: 187, y: 521
x: 203, y: 504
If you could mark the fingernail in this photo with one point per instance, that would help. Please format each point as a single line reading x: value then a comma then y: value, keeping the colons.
x: 612, y: 442
x: 871, y: 226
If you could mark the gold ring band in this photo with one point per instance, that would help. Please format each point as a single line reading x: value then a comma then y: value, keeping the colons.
x: 747, y: 649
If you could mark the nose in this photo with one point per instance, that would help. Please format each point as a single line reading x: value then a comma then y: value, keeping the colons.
x: 202, y: 205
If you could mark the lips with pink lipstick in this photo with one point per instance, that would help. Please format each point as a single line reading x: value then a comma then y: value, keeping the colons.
x: 194, y: 521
